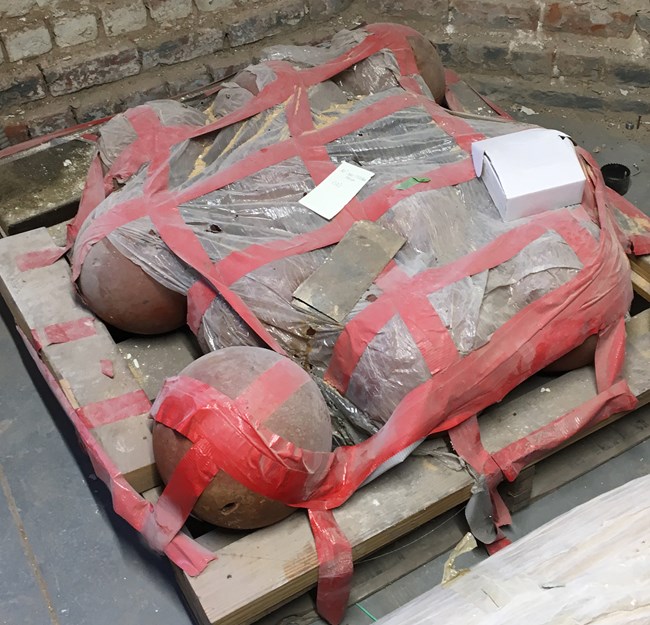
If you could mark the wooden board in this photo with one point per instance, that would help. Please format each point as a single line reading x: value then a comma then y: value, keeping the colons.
x: 590, y: 565
x: 45, y: 296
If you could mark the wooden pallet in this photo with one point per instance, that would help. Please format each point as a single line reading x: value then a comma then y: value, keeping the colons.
x: 407, y: 517
x: 255, y: 573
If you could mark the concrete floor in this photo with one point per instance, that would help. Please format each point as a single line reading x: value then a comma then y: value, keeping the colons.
x: 68, y: 560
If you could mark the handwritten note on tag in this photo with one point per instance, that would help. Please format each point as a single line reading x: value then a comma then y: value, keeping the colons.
x: 331, y: 196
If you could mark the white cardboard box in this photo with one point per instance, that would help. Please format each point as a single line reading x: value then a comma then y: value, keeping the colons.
x: 529, y: 172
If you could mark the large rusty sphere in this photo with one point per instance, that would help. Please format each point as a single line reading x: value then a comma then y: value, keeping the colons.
x: 119, y: 292
x: 429, y: 65
x: 302, y: 419
x: 581, y: 356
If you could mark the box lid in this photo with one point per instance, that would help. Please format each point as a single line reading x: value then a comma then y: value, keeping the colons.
x: 529, y: 161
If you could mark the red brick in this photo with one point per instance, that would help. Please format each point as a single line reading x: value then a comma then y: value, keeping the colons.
x: 16, y: 133
x: 590, y: 19
x: 322, y: 9
x: 100, y: 102
x: 51, y: 119
x: 123, y: 16
x: 21, y: 85
x: 72, y: 30
x: 437, y: 9
x: 531, y: 61
x: 188, y: 77
x: 94, y: 67
x: 265, y: 21
x: 495, y: 15
x: 168, y: 10
x: 24, y: 40
x: 184, y: 46
x: 643, y: 24
x: 627, y: 71
x: 215, y: 5
x: 573, y: 60
x: 15, y: 8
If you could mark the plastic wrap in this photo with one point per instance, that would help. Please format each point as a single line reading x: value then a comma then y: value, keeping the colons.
x: 440, y: 226
x: 469, y: 307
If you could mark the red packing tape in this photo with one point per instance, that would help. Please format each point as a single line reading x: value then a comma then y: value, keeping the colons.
x: 39, y: 259
x: 69, y: 331
x: 335, y: 566
x: 114, y: 409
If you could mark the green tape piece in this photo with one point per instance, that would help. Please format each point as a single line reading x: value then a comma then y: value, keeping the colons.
x: 411, y: 182
x: 370, y: 616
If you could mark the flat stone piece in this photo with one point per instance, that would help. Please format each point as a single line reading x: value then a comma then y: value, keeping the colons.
x: 43, y: 187
x: 335, y: 287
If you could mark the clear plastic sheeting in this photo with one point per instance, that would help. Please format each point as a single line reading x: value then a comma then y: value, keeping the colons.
x: 475, y: 307
x: 118, y: 133
x: 441, y: 225
x: 465, y: 311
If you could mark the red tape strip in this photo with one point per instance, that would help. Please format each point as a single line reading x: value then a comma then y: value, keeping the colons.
x: 335, y: 566
x: 134, y: 509
x: 69, y: 331
x: 114, y: 409
x: 39, y: 259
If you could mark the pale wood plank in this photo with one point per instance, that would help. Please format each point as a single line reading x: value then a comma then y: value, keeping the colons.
x: 505, y: 423
x: 270, y: 566
x: 46, y: 296
x: 152, y: 359
x: 589, y: 565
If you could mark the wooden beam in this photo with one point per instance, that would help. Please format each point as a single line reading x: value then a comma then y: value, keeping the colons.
x: 45, y: 296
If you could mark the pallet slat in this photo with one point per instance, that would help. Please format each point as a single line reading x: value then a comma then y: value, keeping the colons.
x: 45, y: 296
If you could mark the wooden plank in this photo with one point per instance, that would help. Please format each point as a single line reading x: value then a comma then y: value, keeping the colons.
x: 641, y: 286
x: 641, y: 275
x: 509, y: 421
x: 25, y: 292
x: 384, y: 567
x: 590, y: 452
x: 641, y: 266
x: 589, y: 565
x: 152, y: 359
x: 45, y: 296
x: 257, y: 573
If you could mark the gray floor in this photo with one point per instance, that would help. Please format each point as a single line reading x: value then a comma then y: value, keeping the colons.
x: 67, y: 559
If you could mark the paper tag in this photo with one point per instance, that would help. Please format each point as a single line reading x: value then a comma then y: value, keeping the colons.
x: 331, y: 196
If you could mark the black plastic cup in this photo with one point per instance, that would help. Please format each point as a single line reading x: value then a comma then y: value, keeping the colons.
x: 617, y: 177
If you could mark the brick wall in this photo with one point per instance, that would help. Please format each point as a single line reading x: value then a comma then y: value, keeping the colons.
x: 63, y: 62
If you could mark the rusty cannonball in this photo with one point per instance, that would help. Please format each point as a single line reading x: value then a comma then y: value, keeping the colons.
x: 302, y: 419
x: 120, y: 293
x: 429, y: 65
x: 581, y: 356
